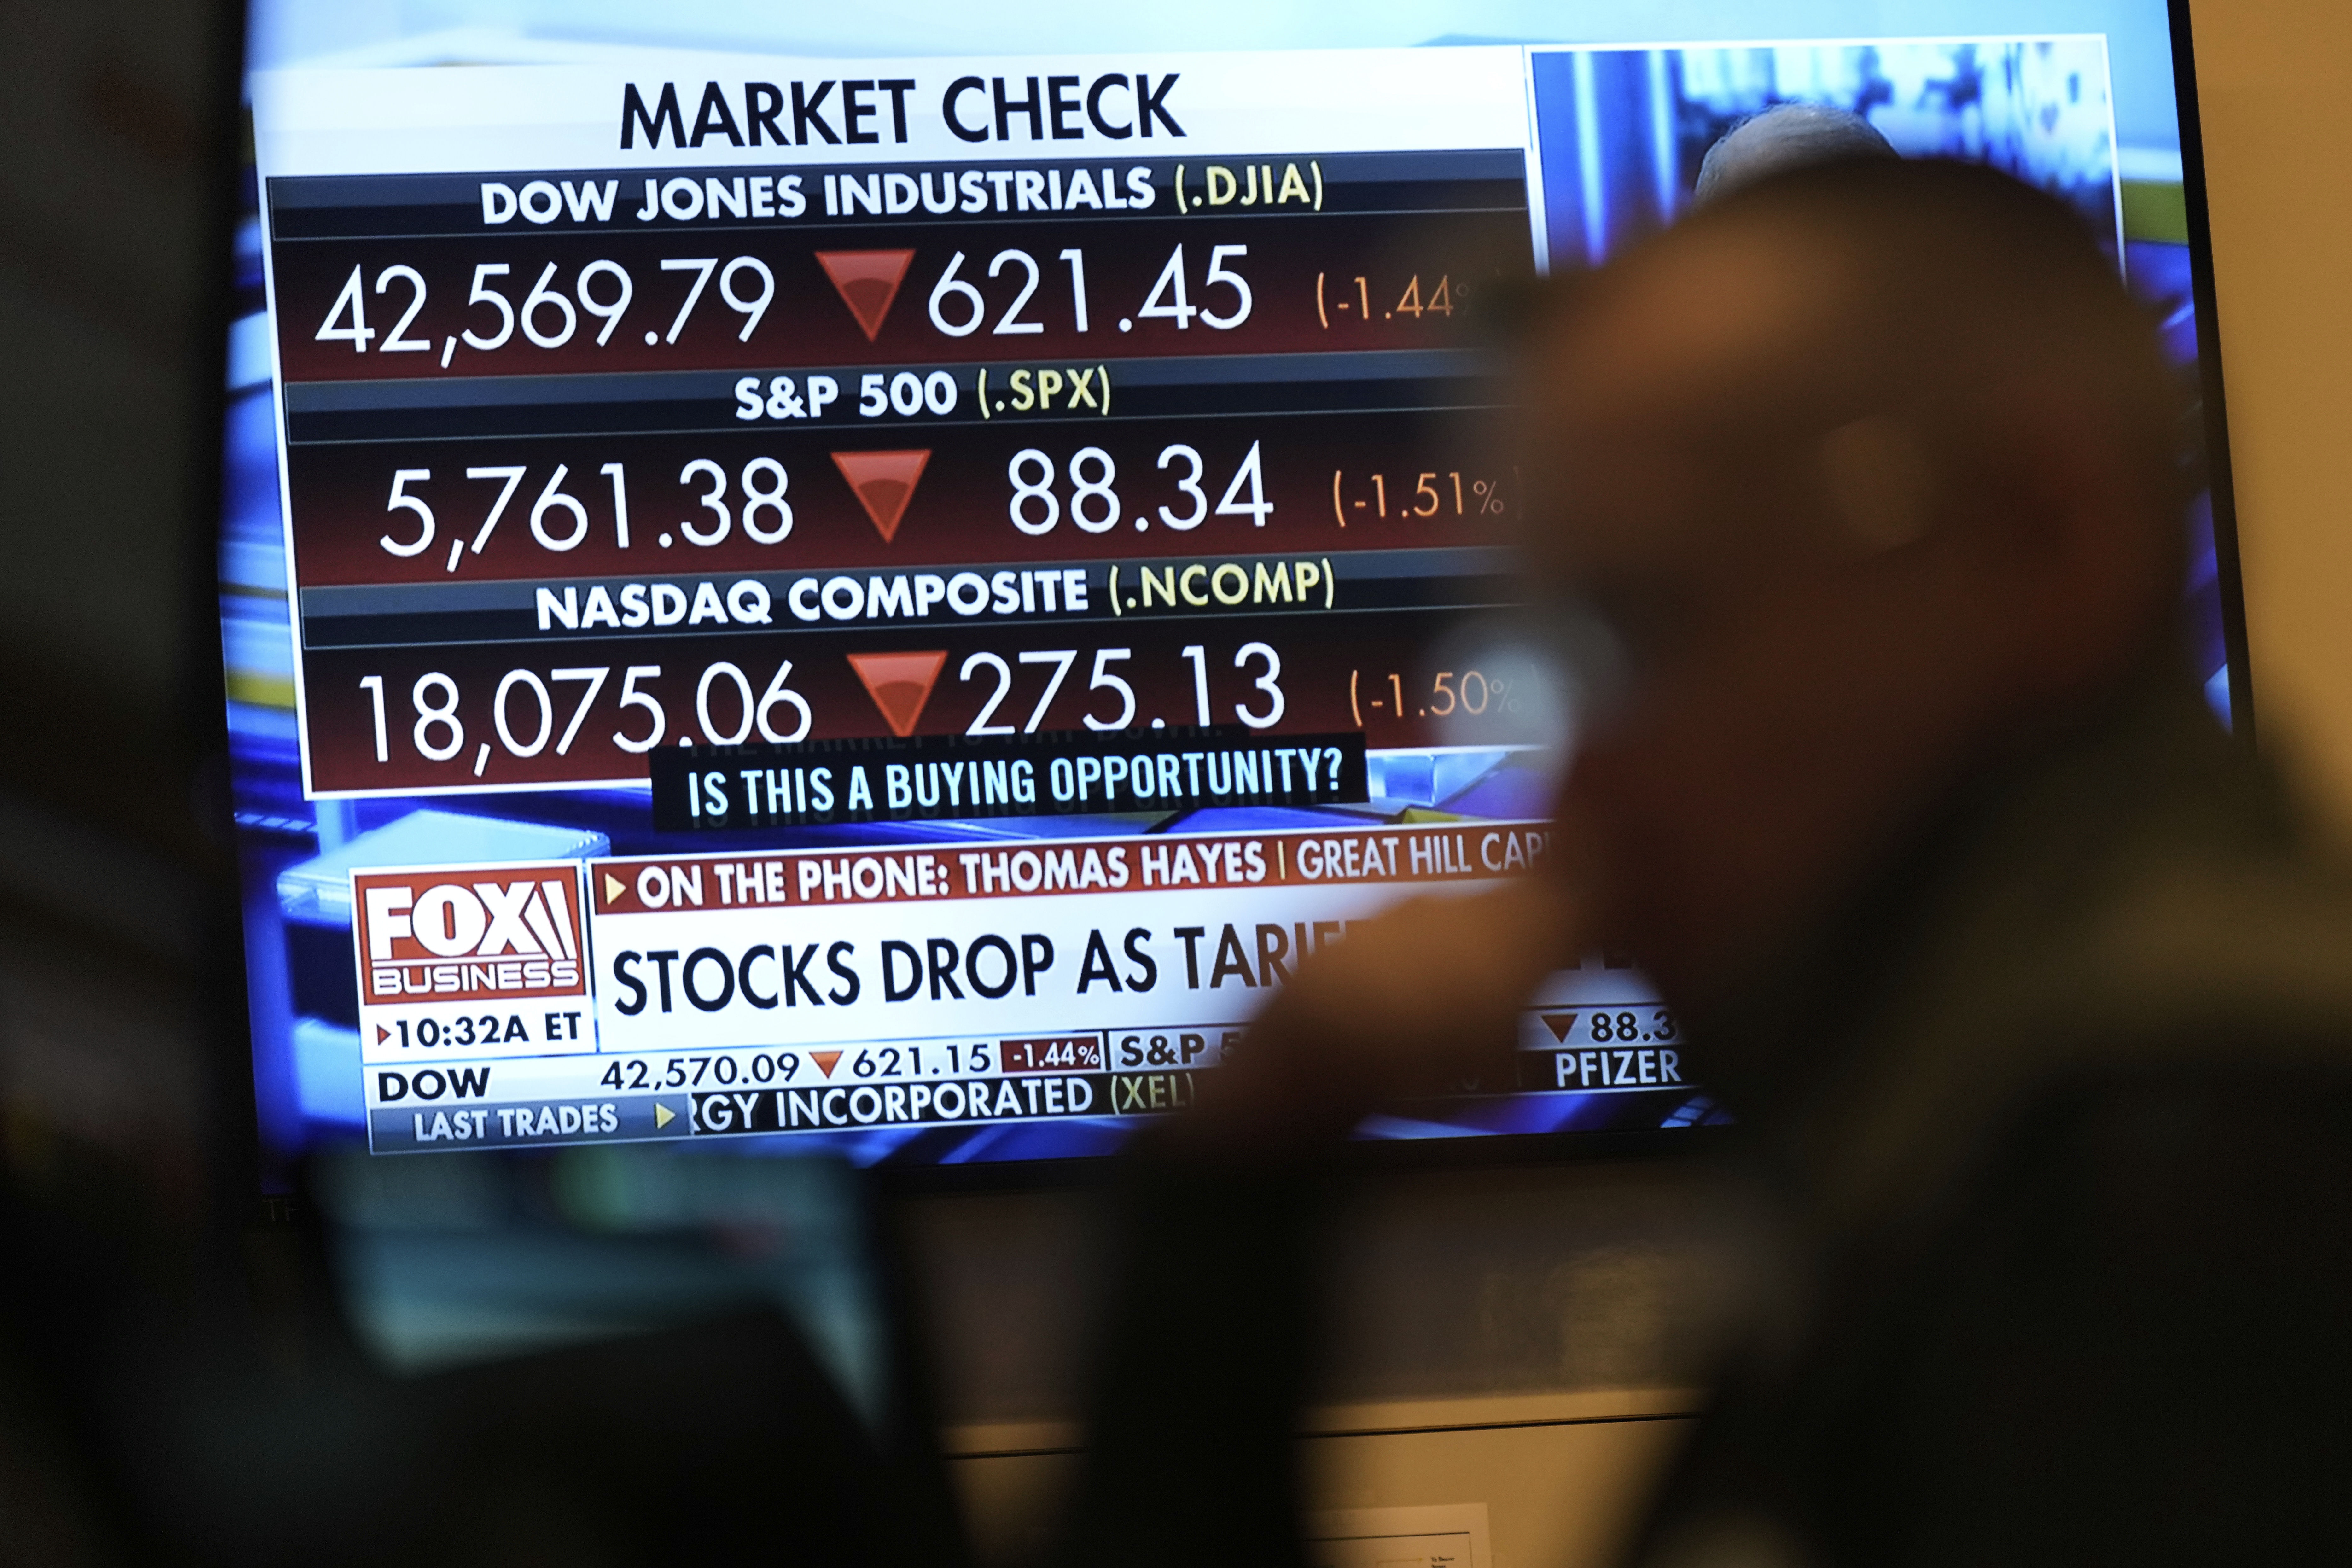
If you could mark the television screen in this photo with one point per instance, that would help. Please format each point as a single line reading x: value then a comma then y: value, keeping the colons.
x: 874, y: 580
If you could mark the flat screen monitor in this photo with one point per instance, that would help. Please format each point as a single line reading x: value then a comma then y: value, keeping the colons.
x: 873, y: 579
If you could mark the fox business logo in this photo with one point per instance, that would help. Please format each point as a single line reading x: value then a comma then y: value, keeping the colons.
x: 459, y: 935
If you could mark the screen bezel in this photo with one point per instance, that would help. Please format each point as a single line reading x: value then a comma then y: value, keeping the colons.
x: 269, y: 1174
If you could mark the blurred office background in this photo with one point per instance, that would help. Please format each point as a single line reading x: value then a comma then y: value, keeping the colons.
x: 107, y: 278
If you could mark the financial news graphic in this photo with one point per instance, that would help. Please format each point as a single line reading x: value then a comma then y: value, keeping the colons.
x: 926, y: 993
x: 728, y: 788
x: 886, y: 605
x: 737, y: 432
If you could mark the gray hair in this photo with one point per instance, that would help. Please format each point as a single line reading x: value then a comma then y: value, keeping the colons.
x: 1785, y: 136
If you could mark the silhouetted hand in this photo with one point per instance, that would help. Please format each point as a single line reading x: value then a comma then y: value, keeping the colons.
x: 1411, y: 1002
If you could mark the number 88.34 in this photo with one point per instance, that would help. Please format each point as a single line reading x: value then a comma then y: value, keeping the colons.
x: 1625, y: 1028
x: 1094, y: 507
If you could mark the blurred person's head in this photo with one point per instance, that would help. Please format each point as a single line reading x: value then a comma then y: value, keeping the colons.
x: 1867, y: 471
x: 1784, y: 137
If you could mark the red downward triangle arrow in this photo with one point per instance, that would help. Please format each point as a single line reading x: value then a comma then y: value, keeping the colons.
x: 900, y: 683
x: 884, y: 482
x: 824, y: 1060
x: 867, y: 281
x: 1560, y: 1023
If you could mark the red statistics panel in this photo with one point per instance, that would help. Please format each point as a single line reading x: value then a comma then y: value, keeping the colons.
x: 773, y: 500
x: 461, y: 715
x: 378, y: 308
